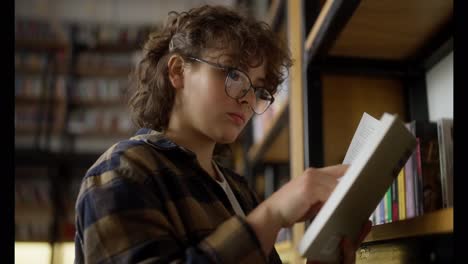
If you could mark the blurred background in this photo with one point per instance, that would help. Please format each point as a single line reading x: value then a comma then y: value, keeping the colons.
x: 72, y: 60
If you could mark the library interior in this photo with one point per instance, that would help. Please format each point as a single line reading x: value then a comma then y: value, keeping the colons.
x: 73, y: 60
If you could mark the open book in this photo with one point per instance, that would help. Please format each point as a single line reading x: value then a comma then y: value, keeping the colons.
x: 377, y: 153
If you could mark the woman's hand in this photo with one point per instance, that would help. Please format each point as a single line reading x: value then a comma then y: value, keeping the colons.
x: 349, y: 248
x: 298, y: 200
x: 302, y: 197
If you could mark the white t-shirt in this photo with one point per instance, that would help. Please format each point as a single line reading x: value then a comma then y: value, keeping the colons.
x: 227, y: 189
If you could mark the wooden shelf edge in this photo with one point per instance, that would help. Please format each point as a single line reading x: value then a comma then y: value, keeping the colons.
x: 329, y: 23
x: 41, y: 45
x: 438, y: 222
x: 274, y: 15
x: 256, y: 152
x: 95, y: 72
x: 88, y: 102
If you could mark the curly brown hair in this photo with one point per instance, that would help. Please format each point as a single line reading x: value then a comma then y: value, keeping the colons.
x: 189, y: 34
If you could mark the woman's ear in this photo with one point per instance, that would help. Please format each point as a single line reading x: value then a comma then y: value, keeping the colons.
x: 175, y: 68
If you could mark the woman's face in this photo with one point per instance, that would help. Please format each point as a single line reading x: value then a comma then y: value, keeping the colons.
x: 206, y: 106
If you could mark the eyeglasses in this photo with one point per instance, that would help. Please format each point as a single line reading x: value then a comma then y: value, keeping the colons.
x: 237, y: 84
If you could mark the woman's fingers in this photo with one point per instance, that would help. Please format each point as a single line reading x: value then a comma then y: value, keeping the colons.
x: 335, y: 170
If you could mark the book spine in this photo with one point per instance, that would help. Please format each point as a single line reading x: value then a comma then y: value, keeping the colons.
x: 401, y: 195
x: 381, y: 212
x: 394, y: 200
x: 417, y: 180
x: 409, y: 181
x: 443, y: 166
x: 388, y: 205
x: 429, y: 166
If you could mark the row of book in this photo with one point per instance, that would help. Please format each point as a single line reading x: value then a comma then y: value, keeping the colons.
x: 34, y: 228
x: 30, y: 60
x: 425, y: 183
x: 33, y: 204
x: 28, y: 86
x: 98, y: 89
x: 108, y: 121
x: 40, y: 30
x: 32, y: 186
x: 34, y: 87
x: 103, y: 61
x: 31, y: 117
x: 95, y: 34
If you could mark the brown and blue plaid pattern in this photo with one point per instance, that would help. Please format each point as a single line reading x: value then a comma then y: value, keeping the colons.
x: 147, y: 200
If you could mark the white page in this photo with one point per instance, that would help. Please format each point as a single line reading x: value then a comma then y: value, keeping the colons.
x: 366, y: 128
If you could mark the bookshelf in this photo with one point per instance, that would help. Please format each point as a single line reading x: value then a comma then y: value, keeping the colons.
x: 55, y: 83
x: 433, y: 223
x: 351, y: 57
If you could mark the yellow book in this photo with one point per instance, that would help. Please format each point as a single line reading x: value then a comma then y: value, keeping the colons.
x: 401, y: 195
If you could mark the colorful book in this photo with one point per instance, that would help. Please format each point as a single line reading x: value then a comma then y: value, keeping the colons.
x: 428, y: 166
x: 409, y: 181
x: 376, y: 155
x: 382, y: 211
x: 401, y: 195
x: 445, y: 134
x: 388, y: 205
x: 395, y: 215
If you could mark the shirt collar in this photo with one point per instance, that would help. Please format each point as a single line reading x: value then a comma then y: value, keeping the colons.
x: 159, y: 140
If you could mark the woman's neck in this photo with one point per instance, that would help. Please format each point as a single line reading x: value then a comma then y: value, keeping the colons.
x: 203, y: 147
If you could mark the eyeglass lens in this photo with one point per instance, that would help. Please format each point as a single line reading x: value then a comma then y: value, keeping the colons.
x: 238, y: 85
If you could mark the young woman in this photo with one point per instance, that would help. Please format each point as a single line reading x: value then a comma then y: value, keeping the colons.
x: 160, y: 196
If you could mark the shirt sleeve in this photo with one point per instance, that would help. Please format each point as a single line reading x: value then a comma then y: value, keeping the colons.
x: 121, y: 220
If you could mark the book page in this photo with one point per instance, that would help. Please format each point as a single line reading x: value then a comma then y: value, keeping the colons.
x: 365, y: 129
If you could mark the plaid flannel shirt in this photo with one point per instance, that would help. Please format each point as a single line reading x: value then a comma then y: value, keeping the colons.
x: 147, y: 200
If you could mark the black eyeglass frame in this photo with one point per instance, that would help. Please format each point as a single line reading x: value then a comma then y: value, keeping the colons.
x: 228, y: 69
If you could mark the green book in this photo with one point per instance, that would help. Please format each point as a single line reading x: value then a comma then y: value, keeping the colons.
x: 388, y: 205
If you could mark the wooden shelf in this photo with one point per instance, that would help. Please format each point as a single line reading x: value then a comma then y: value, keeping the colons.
x: 385, y: 30
x: 40, y: 45
x: 114, y: 47
x: 37, y: 99
x: 29, y: 69
x: 107, y: 134
x: 97, y: 103
x: 433, y: 223
x: 102, y: 72
x: 274, y: 145
x: 389, y: 29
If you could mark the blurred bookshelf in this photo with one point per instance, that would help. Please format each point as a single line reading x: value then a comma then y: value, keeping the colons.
x: 70, y: 83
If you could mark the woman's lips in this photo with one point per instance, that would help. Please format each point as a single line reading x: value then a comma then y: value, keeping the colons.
x: 237, y: 118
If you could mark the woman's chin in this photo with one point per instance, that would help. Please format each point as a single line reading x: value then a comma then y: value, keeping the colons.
x: 227, y: 137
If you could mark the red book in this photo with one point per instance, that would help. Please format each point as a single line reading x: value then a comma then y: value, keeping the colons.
x: 395, y: 213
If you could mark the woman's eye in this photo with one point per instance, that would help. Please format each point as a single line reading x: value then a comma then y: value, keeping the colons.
x: 264, y: 95
x: 234, y: 75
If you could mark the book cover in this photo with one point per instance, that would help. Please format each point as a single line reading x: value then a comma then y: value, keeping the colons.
x: 388, y: 205
x: 372, y: 170
x: 445, y: 134
x: 401, y: 195
x: 429, y: 166
x: 418, y: 194
x: 409, y: 181
x: 395, y: 215
x: 382, y: 211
